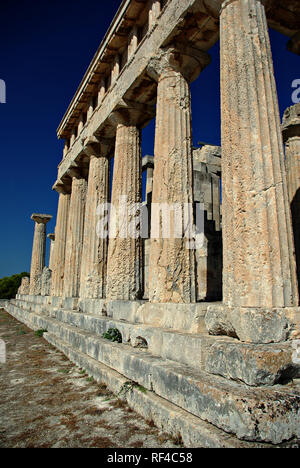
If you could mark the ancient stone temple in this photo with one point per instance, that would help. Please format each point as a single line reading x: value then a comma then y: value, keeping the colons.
x: 200, y: 277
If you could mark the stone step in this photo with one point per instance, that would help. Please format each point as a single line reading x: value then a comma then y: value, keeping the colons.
x: 168, y: 417
x: 269, y: 414
x: 255, y: 365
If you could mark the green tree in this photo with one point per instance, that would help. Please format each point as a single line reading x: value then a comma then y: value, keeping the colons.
x: 9, y: 285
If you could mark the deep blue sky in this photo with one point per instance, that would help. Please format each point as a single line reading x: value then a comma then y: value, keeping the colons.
x: 45, y: 48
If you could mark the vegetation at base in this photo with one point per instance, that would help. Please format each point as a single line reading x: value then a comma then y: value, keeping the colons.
x: 9, y: 285
x: 40, y: 333
x: 113, y: 335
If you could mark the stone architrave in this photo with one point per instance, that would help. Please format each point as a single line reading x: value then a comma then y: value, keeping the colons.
x: 94, y: 256
x: 259, y: 276
x: 75, y: 231
x: 291, y: 136
x: 38, y: 252
x: 172, y: 262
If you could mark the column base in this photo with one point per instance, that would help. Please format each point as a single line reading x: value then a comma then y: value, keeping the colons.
x: 254, y: 325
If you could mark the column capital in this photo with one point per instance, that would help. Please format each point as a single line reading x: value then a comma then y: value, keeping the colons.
x: 75, y: 172
x: 98, y: 146
x: 62, y: 188
x: 188, y: 61
x: 291, y: 122
x: 41, y: 218
x: 132, y: 113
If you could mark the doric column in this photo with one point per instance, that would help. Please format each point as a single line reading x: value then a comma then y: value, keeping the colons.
x: 291, y: 135
x: 52, y: 241
x: 172, y: 262
x: 259, y: 275
x: 59, y: 252
x: 75, y: 234
x: 94, y: 256
x: 38, y: 252
x: 124, y: 253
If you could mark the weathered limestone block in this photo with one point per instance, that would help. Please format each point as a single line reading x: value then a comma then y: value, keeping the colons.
x: 75, y: 235
x: 94, y: 254
x: 259, y: 277
x: 255, y: 365
x: 38, y: 252
x: 46, y: 282
x: 172, y: 262
x: 291, y: 136
x: 25, y: 286
x: 253, y: 325
x: 59, y: 252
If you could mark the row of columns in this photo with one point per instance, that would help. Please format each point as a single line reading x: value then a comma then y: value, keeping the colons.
x: 259, y: 262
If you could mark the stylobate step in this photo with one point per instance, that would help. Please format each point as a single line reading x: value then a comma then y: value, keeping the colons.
x: 167, y: 416
x: 268, y: 414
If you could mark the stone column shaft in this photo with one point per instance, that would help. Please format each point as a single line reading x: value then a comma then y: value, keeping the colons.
x: 259, y: 265
x: 38, y: 252
x: 94, y: 257
x: 293, y: 173
x: 291, y: 136
x: 51, y: 257
x: 59, y: 252
x: 172, y: 264
x: 75, y: 237
x: 124, y: 254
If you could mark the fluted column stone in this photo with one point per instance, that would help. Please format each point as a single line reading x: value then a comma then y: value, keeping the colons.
x: 259, y: 275
x: 172, y: 263
x: 291, y: 135
x: 75, y: 231
x: 38, y: 252
x: 94, y: 255
x: 51, y: 258
x: 124, y: 268
x: 59, y: 250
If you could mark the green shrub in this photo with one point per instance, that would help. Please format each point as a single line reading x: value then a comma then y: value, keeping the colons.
x: 9, y: 285
x: 40, y: 333
x: 113, y: 335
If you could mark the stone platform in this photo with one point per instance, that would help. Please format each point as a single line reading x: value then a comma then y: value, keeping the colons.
x: 182, y: 378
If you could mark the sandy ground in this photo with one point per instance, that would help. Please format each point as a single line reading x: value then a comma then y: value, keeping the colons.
x: 47, y: 402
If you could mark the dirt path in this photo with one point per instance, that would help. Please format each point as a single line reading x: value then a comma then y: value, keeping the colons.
x: 46, y: 401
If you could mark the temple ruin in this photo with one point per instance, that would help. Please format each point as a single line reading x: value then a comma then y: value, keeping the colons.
x: 209, y: 333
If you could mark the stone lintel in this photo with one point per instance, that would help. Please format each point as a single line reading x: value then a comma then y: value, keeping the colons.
x: 41, y: 218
